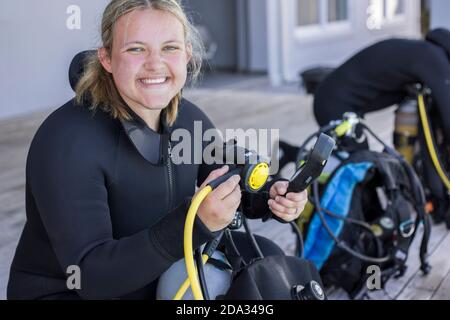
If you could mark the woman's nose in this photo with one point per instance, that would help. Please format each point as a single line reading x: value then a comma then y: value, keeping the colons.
x: 153, y: 60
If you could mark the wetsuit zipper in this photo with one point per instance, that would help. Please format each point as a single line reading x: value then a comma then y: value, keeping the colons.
x: 170, y: 175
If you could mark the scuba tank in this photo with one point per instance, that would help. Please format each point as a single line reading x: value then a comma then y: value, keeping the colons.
x: 406, y: 129
x: 218, y: 277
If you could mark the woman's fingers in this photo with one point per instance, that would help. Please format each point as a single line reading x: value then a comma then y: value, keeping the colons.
x: 214, y: 175
x: 286, y: 217
x: 278, y: 189
x: 292, y: 200
x: 226, y: 188
x: 297, y: 197
x: 289, y: 208
x: 286, y: 202
x: 219, y: 207
x: 275, y: 206
x: 233, y: 200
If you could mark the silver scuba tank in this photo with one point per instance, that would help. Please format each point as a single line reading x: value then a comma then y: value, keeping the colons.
x: 218, y: 280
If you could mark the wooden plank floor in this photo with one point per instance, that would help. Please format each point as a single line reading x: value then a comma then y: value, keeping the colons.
x: 248, y: 104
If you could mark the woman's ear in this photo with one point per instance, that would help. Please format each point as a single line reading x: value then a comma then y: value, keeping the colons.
x: 105, y: 59
x: 188, y: 52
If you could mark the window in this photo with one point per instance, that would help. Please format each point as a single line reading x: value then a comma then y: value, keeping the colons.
x: 308, y: 12
x: 337, y: 10
x: 321, y: 12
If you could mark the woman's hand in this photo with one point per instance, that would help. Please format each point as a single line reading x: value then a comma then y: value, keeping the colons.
x: 287, y: 208
x: 219, y: 207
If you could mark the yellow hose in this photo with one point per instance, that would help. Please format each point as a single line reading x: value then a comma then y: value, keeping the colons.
x: 257, y: 179
x: 185, y: 286
x: 430, y: 144
x: 188, y: 246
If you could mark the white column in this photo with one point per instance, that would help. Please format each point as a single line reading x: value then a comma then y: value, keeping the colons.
x: 274, y: 42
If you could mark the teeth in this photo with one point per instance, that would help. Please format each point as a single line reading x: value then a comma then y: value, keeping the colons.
x: 154, y: 81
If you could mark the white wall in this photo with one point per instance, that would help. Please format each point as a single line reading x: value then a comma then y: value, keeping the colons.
x: 298, y: 52
x: 257, y: 23
x: 37, y: 48
x: 440, y: 10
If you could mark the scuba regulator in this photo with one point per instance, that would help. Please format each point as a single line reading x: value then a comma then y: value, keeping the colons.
x: 251, y: 167
x: 254, y: 174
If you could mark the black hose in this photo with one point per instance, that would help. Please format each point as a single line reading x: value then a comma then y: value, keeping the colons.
x: 365, y: 226
x: 230, y: 241
x: 201, y: 274
x: 300, y: 245
x: 338, y: 242
x: 252, y: 239
x: 211, y: 246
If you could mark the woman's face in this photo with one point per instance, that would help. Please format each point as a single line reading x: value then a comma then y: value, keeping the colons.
x: 149, y: 58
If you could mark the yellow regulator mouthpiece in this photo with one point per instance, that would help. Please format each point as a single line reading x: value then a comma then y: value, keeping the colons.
x: 258, y: 177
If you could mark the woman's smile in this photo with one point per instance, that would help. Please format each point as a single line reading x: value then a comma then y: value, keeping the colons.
x: 154, y: 82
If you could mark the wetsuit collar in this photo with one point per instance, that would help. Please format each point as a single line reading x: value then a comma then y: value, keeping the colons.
x: 150, y: 144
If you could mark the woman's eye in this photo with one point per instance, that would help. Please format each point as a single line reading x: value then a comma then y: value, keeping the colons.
x: 171, y: 48
x: 135, y: 50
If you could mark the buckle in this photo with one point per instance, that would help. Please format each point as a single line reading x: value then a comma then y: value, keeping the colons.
x: 407, y: 228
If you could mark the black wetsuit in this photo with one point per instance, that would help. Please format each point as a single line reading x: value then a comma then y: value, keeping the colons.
x: 377, y: 77
x: 93, y: 201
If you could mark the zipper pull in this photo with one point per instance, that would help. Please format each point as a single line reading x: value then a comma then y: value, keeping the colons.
x: 170, y: 150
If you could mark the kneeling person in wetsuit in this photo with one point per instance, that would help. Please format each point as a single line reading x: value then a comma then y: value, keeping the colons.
x: 377, y: 77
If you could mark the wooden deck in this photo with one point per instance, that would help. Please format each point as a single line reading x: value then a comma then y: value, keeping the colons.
x: 246, y: 105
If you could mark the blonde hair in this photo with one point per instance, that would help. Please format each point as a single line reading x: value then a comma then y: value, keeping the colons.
x: 98, y: 85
